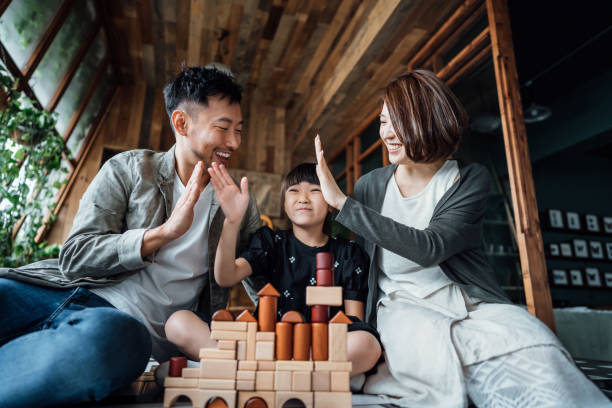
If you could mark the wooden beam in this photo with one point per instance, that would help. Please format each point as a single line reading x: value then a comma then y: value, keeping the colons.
x: 376, y: 21
x: 74, y: 65
x: 83, y: 105
x: 474, y: 62
x: 362, y: 126
x: 443, y: 33
x: 528, y: 233
x: 47, y: 39
x: 370, y: 150
x: 464, y: 55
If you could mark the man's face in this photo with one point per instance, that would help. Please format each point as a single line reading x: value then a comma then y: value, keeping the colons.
x: 214, y: 130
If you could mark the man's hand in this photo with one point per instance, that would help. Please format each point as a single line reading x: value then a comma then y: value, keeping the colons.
x: 331, y: 192
x: 234, y: 201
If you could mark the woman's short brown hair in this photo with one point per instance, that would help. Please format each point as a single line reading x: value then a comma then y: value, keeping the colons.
x: 426, y: 116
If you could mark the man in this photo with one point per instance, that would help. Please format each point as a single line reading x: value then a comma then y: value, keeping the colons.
x: 142, y: 246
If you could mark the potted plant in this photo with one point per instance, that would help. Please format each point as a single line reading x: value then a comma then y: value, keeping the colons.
x: 30, y: 155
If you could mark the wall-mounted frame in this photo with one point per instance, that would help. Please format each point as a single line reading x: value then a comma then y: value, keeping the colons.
x: 608, y: 279
x: 592, y: 223
x: 593, y: 277
x: 566, y: 250
x: 573, y: 220
x: 596, y: 250
x: 559, y: 277
x: 609, y: 250
x: 581, y: 248
x: 576, y: 277
x: 555, y: 219
x: 553, y: 249
x: 607, y: 224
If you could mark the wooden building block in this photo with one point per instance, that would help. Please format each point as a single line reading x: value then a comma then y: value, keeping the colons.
x: 333, y: 399
x: 284, y: 341
x: 245, y: 385
x: 340, y: 317
x: 282, y: 380
x: 222, y: 315
x: 228, y: 335
x: 180, y: 382
x: 251, y: 340
x: 241, y: 350
x: 216, y: 384
x: 264, y: 350
x: 333, y: 366
x: 320, y: 381
x: 246, y: 316
x: 191, y: 372
x: 245, y: 375
x: 337, y: 341
x: 269, y: 397
x: 265, y: 336
x: 226, y: 344
x: 320, y: 345
x: 292, y: 317
x: 218, y: 354
x: 229, y: 397
x: 284, y: 396
x: 301, y: 341
x: 231, y: 326
x: 172, y: 394
x: 266, y: 365
x: 220, y: 369
x: 247, y: 365
x: 301, y: 381
x: 267, y: 313
x: 339, y: 381
x: 324, y: 295
x: 264, y: 381
x: 294, y: 365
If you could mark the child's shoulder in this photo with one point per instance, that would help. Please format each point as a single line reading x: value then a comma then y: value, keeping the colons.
x: 269, y: 235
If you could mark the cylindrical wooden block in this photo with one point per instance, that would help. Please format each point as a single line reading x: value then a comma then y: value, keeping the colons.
x: 319, y: 314
x: 267, y: 313
x: 319, y: 341
x: 284, y: 341
x: 325, y: 277
x: 176, y: 366
x: 301, y: 341
x: 324, y: 260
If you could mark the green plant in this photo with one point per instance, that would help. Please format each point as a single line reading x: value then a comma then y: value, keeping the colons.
x: 30, y: 153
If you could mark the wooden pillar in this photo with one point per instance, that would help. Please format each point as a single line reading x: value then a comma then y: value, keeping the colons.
x: 528, y: 233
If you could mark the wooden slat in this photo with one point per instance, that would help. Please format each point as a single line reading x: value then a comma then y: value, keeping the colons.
x: 145, y: 20
x: 360, y: 128
x: 47, y: 39
x: 476, y: 61
x: 464, y: 55
x: 528, y: 233
x: 83, y: 105
x: 233, y: 26
x: 74, y: 65
x: 370, y: 150
x: 444, y: 32
x: 196, y: 22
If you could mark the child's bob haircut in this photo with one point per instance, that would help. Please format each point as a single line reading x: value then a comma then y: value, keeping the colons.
x: 302, y: 172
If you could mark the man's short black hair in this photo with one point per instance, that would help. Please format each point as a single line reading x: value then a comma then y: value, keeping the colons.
x: 196, y: 84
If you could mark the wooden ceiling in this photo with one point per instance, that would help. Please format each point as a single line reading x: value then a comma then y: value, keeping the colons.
x: 319, y: 64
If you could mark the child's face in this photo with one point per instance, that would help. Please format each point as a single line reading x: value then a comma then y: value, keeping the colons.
x: 304, y: 205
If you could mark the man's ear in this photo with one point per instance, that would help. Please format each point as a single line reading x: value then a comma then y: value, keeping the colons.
x: 180, y: 122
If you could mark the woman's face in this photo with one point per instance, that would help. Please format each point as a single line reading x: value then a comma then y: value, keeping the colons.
x: 397, y: 150
x: 305, y: 205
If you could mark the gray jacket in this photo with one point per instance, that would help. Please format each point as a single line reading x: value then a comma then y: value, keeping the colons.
x: 452, y: 239
x: 131, y: 193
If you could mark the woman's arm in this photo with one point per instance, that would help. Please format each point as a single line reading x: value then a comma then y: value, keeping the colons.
x: 354, y: 308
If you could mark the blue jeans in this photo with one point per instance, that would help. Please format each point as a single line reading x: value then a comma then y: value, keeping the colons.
x: 65, y: 346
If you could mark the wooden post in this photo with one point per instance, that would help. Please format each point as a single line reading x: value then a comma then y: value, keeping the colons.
x: 528, y: 233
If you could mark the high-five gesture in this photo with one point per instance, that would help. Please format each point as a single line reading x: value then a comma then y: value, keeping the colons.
x: 331, y: 192
x: 234, y: 201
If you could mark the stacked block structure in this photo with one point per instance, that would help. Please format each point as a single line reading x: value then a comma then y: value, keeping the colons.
x: 262, y: 363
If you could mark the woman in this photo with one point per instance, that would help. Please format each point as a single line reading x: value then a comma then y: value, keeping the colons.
x: 447, y: 327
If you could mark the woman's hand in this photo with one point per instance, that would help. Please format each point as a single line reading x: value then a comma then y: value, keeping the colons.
x: 331, y: 192
x: 234, y: 201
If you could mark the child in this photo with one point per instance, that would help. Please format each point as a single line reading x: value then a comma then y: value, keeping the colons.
x: 286, y: 259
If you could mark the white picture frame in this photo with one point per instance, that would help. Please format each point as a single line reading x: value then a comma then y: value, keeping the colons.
x: 566, y: 250
x: 560, y: 277
x: 608, y: 279
x: 593, y: 277
x: 555, y: 219
x: 609, y: 250
x: 581, y: 248
x: 596, y: 249
x: 553, y: 249
x: 607, y: 224
x: 592, y: 223
x: 573, y: 220
x: 576, y: 277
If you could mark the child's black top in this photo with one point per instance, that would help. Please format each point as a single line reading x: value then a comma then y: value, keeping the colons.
x: 279, y: 258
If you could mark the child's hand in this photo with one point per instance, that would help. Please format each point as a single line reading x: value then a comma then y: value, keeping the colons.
x: 234, y: 201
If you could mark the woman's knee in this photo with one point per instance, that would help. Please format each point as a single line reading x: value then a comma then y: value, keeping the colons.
x: 364, y: 345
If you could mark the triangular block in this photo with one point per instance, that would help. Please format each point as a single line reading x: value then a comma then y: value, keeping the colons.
x: 268, y: 290
x: 245, y: 316
x: 340, y: 317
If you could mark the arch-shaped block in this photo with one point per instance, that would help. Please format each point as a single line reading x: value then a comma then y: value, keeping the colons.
x: 267, y: 396
x: 172, y: 394
x: 283, y: 396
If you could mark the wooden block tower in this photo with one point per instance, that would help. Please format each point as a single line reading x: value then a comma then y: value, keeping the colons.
x: 262, y: 363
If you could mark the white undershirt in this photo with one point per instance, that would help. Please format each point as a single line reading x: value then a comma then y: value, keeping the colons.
x: 173, y: 281
x: 400, y: 273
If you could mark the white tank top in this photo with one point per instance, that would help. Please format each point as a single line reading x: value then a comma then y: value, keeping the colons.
x: 400, y: 273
